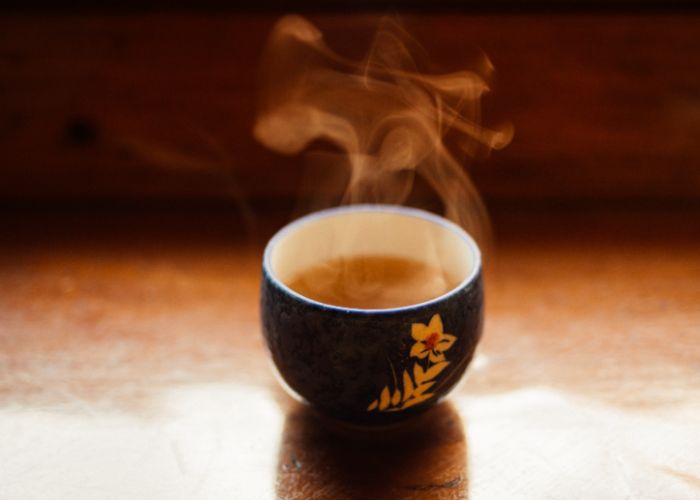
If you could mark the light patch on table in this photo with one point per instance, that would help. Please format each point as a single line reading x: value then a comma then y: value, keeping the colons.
x: 540, y: 443
x: 204, y: 450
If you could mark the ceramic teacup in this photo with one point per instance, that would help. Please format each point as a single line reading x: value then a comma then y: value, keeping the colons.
x: 371, y: 366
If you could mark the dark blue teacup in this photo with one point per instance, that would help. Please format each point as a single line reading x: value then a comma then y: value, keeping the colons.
x: 371, y: 365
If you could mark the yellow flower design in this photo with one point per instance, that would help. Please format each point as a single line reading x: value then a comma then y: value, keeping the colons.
x: 431, y: 341
x: 414, y: 386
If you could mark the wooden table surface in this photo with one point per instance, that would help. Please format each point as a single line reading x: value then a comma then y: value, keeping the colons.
x: 132, y: 367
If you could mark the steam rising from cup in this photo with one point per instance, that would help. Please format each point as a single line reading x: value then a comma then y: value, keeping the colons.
x: 389, y: 121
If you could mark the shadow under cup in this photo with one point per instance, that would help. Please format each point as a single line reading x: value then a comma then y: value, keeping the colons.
x: 371, y: 365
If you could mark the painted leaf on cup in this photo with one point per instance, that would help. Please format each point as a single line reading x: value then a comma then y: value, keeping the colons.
x: 429, y: 348
x: 417, y: 400
x: 435, y: 370
x: 420, y: 390
x: 418, y: 373
x: 384, y: 399
x: 407, y: 385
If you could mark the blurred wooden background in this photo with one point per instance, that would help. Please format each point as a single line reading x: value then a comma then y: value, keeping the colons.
x: 131, y: 360
x: 138, y: 105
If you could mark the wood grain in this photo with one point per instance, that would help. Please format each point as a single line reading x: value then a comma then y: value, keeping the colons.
x: 160, y: 106
x: 132, y: 366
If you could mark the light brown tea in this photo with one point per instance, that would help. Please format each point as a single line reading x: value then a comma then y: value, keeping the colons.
x: 372, y: 282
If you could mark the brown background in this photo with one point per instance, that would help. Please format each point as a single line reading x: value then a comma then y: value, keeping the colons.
x: 160, y: 105
x: 131, y: 360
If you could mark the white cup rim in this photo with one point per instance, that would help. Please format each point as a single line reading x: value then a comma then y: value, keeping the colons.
x: 395, y: 209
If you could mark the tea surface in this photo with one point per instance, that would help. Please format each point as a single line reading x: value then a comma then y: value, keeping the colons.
x: 372, y: 282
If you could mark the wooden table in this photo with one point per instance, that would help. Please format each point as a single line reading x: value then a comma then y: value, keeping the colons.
x: 132, y: 367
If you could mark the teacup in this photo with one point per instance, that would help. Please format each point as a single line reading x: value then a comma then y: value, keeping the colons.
x: 371, y: 366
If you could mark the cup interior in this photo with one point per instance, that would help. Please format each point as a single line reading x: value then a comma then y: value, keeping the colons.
x: 372, y: 230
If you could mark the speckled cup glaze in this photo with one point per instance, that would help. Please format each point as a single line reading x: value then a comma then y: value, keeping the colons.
x: 371, y: 366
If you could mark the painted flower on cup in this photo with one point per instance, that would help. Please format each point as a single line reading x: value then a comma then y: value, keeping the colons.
x: 414, y: 386
x: 431, y: 341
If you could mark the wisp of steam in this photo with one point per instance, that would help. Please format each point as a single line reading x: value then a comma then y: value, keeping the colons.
x: 390, y: 124
x: 389, y: 121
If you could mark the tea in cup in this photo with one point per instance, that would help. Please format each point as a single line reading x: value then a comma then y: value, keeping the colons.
x: 371, y: 312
